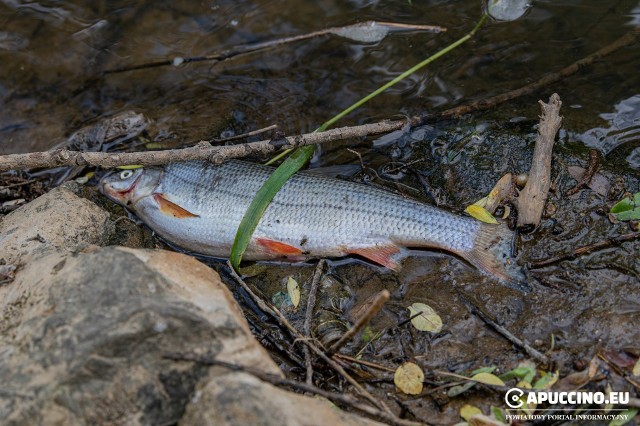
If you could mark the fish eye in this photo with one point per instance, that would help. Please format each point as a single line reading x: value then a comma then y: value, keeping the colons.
x: 126, y: 174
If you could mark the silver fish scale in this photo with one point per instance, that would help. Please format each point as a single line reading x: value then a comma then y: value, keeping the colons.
x: 322, y: 216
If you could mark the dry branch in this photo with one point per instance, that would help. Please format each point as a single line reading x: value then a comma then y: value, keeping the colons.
x: 311, y: 303
x: 377, y: 304
x: 531, y: 201
x: 282, y: 320
x: 202, y: 151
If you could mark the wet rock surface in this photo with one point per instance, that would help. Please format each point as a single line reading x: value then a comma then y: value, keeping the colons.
x: 60, y: 220
x: 84, y: 329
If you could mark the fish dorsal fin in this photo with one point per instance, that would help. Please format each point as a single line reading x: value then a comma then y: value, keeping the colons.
x: 382, y: 255
x: 172, y: 209
x: 277, y: 247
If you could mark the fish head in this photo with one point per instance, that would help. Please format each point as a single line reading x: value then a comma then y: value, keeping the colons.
x: 128, y: 186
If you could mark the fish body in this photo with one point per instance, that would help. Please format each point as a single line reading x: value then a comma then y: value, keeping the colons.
x: 198, y: 206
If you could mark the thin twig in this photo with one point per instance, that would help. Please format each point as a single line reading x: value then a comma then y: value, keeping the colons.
x: 483, y: 104
x: 73, y: 158
x: 365, y: 363
x: 311, y: 303
x: 254, y: 47
x: 592, y: 168
x: 14, y: 185
x: 246, y: 135
x: 375, y: 307
x: 284, y: 383
x: 610, y: 242
x: 533, y: 353
x: 277, y: 315
x: 202, y: 151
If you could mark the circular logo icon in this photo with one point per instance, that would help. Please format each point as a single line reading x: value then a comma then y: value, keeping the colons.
x: 512, y: 398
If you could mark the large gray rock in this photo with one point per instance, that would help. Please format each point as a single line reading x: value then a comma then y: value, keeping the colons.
x: 84, y: 328
x: 59, y: 220
x: 238, y: 399
x: 83, y: 335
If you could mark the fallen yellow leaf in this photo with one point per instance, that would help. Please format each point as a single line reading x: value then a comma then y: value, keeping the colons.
x: 480, y: 213
x: 408, y: 378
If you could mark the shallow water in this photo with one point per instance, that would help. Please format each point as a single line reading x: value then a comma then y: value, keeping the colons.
x: 52, y: 83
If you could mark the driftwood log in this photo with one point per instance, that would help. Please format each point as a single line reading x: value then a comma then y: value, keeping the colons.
x: 532, y: 198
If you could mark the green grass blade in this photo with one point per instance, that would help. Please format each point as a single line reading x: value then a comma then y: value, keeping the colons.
x: 302, y: 155
x: 262, y: 199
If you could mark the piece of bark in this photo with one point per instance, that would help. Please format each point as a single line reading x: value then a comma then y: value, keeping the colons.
x: 598, y: 183
x: 499, y: 193
x: 592, y: 168
x: 531, y: 201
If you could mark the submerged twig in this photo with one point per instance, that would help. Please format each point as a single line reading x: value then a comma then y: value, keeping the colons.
x: 531, y: 200
x: 482, y: 104
x: 375, y: 307
x: 255, y: 47
x: 311, y: 303
x: 246, y: 135
x: 609, y: 242
x: 592, y: 168
x: 533, y: 353
x: 281, y: 382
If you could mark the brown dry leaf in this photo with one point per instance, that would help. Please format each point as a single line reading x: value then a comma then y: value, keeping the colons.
x: 408, y: 378
x: 428, y: 320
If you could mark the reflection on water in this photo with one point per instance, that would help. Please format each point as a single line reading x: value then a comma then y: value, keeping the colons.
x: 53, y: 55
x: 624, y: 129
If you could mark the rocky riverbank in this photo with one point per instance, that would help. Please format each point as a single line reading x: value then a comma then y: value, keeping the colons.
x: 85, y: 326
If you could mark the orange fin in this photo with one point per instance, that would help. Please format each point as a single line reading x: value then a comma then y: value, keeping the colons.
x: 172, y: 209
x: 278, y: 248
x: 382, y: 255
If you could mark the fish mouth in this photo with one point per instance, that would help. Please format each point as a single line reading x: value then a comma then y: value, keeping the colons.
x: 121, y: 196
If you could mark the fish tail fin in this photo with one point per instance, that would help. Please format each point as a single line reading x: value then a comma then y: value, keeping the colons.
x: 492, y: 253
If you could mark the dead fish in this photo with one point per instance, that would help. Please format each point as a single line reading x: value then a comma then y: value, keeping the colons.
x: 198, y: 206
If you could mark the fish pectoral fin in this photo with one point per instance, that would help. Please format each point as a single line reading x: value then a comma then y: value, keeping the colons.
x: 172, y: 209
x: 278, y: 248
x: 382, y: 255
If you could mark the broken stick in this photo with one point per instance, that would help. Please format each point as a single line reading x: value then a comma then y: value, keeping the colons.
x: 532, y: 198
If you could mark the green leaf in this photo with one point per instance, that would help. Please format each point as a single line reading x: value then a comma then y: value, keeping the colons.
x: 498, y: 414
x: 460, y: 389
x: 636, y: 369
x: 488, y: 379
x: 546, y: 381
x: 624, y: 417
x: 489, y: 369
x: 261, y: 201
x: 628, y: 208
x: 520, y: 372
